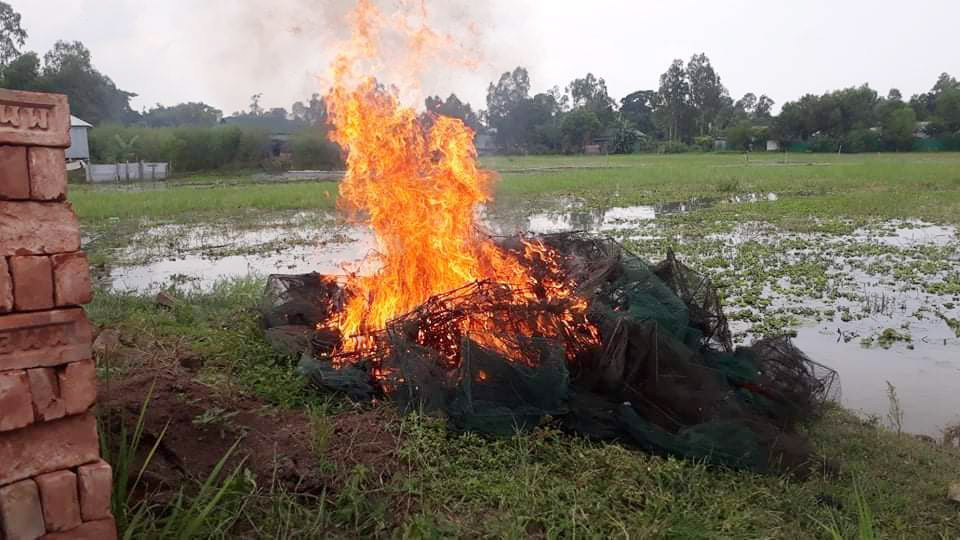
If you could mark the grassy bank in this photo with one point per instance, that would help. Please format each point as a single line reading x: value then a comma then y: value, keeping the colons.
x: 881, y: 185
x: 543, y: 484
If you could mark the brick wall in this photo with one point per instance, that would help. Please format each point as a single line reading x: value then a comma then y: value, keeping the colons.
x: 52, y: 481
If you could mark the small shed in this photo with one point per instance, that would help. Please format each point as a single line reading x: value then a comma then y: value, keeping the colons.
x: 79, y: 145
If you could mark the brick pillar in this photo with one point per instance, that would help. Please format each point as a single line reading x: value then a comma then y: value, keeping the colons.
x: 52, y: 481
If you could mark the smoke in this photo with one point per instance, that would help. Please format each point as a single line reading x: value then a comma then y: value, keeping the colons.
x: 283, y: 49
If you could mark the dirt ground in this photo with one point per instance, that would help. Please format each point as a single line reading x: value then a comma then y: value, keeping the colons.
x: 200, y: 422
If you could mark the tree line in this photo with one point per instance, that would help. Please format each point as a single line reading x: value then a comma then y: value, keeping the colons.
x: 691, y: 109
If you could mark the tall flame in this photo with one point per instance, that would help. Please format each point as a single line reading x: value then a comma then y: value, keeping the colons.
x: 417, y: 186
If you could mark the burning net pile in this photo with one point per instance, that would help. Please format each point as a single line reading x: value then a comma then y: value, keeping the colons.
x: 638, y: 353
x: 505, y: 334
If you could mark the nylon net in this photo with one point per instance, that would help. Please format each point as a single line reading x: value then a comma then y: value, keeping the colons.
x: 649, y: 362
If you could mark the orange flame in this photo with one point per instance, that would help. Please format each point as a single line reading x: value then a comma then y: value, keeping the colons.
x: 419, y: 189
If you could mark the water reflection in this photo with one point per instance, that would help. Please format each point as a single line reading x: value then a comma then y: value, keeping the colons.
x: 572, y: 215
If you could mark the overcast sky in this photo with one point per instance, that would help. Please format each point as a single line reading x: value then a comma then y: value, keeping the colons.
x: 222, y: 51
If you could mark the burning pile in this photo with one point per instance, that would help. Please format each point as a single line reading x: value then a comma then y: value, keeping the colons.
x: 503, y: 335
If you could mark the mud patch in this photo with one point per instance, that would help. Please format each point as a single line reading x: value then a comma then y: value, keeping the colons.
x: 199, y: 423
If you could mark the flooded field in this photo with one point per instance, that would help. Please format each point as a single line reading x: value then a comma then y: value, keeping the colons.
x: 877, y: 301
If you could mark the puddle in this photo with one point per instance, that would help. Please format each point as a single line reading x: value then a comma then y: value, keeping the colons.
x: 570, y: 215
x: 909, y: 233
x: 197, y: 256
x: 925, y: 378
x: 836, y: 290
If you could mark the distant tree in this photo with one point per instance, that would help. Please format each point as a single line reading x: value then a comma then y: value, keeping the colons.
x: 625, y: 137
x: 561, y: 98
x: 673, y: 100
x: 898, y: 128
x: 947, y: 109
x: 925, y: 104
x: 255, y: 108
x: 894, y: 95
x: 944, y: 83
x: 590, y: 93
x: 313, y: 113
x: 23, y: 73
x: 278, y: 113
x: 746, y: 105
x: 579, y: 126
x: 12, y: 35
x: 454, y: 108
x: 508, y: 108
x: 183, y: 114
x: 763, y: 108
x: 637, y: 108
x: 706, y: 92
x: 740, y: 136
x: 68, y: 69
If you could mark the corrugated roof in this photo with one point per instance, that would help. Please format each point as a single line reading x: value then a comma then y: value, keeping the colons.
x: 76, y: 122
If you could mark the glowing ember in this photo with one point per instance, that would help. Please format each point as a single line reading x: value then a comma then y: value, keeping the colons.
x: 418, y: 187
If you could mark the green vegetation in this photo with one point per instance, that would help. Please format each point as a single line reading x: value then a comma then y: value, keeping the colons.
x: 880, y: 186
x: 191, y: 203
x: 543, y: 484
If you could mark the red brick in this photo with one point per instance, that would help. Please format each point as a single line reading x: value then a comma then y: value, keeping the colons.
x: 21, y: 515
x: 71, y: 278
x: 58, y: 495
x: 16, y: 405
x: 36, y: 228
x: 48, y: 173
x: 95, y: 482
x: 6, y: 287
x: 78, y: 386
x: 44, y: 339
x: 48, y: 446
x: 33, y: 118
x: 14, y: 181
x: 45, y: 388
x: 32, y: 282
x: 104, y: 529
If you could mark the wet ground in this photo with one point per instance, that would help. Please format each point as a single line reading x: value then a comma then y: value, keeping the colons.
x: 879, y: 302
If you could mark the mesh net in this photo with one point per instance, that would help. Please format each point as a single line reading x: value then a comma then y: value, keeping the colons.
x: 650, y: 362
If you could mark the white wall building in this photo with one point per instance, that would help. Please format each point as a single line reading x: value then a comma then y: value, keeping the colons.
x: 79, y: 144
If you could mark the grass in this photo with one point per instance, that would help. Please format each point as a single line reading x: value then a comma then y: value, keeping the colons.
x: 887, y: 185
x: 543, y: 484
x: 546, y: 484
x: 188, y: 203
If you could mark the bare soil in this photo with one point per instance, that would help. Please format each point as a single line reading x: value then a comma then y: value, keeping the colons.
x: 198, y: 423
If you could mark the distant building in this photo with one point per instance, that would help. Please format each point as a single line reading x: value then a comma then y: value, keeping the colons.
x: 773, y: 146
x: 485, y: 144
x: 79, y: 143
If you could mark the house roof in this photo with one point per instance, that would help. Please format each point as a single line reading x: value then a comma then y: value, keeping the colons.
x: 76, y: 122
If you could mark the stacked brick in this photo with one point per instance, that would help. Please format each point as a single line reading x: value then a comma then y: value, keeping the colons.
x: 53, y: 483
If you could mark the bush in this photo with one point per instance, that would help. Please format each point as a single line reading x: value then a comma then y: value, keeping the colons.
x: 186, y: 148
x: 823, y: 144
x: 673, y: 147
x: 705, y: 143
x: 862, y: 140
x: 312, y: 149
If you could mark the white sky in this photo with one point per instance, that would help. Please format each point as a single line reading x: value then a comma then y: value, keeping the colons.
x: 223, y: 51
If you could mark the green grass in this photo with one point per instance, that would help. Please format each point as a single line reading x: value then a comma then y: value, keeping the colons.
x: 543, y: 484
x: 878, y: 185
x: 546, y: 484
x: 188, y: 203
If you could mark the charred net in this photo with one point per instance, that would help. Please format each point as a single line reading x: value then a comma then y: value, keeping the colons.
x: 640, y: 354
